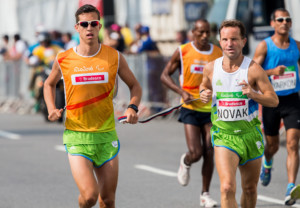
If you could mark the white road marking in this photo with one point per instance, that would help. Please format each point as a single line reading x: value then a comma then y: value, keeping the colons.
x: 156, y: 170
x: 9, y: 135
x: 173, y: 174
x: 272, y: 200
x: 60, y: 148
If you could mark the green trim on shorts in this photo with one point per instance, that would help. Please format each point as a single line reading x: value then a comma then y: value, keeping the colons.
x: 98, y: 154
x: 79, y: 137
x: 248, y: 145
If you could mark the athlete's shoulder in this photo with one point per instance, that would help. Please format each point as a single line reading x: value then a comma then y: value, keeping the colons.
x: 62, y: 54
x: 109, y: 48
x: 185, y: 46
x: 210, y: 65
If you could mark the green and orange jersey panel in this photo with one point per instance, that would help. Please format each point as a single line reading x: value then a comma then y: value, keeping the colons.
x: 89, y: 87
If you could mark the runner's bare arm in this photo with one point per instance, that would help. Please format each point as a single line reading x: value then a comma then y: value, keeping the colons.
x: 134, y: 87
x: 171, y: 67
x: 298, y: 45
x: 49, y: 92
x: 258, y: 81
x: 260, y: 55
x: 206, y: 85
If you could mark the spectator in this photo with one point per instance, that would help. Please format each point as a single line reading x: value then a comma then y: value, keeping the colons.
x: 18, y: 49
x: 46, y: 51
x: 38, y: 29
x: 127, y: 35
x: 147, y: 44
x: 213, y: 34
x: 56, y: 37
x: 181, y: 37
x: 16, y: 54
x: 67, y: 40
x: 118, y: 37
x: 4, y: 47
x: 137, y: 42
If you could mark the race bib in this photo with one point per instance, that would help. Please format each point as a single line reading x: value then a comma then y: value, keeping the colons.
x: 287, y: 81
x: 232, y: 106
x: 89, y: 78
x: 197, y: 69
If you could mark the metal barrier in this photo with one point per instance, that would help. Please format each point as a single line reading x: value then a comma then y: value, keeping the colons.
x: 14, y: 93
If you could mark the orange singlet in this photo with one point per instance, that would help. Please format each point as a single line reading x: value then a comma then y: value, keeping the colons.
x: 89, y: 86
x: 192, y: 64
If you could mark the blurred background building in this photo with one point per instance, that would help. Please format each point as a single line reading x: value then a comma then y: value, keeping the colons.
x: 163, y: 17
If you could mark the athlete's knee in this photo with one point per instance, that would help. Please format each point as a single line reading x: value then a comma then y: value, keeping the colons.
x: 107, y: 203
x: 250, y: 189
x: 272, y: 146
x: 292, y: 146
x: 90, y: 199
x: 195, y: 155
x: 227, y: 189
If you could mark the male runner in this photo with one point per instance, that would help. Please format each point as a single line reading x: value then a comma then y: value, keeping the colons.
x: 236, y: 84
x: 279, y: 55
x: 190, y: 58
x: 89, y: 72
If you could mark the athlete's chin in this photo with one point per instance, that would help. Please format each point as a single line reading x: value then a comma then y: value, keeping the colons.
x: 91, y: 41
x: 231, y: 55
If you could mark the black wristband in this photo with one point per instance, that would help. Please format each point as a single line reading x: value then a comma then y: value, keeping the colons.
x: 134, y: 107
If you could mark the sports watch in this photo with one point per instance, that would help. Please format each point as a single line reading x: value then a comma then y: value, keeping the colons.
x: 134, y: 107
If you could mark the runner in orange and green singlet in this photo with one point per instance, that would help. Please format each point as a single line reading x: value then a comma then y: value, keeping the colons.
x: 191, y: 58
x: 89, y: 72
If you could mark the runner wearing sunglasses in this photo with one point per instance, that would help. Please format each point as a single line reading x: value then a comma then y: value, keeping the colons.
x: 279, y: 55
x: 89, y: 72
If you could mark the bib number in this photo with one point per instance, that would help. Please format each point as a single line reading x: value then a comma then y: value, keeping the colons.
x: 287, y: 81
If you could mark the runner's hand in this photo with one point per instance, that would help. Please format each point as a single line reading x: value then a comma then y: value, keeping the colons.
x: 132, y: 116
x: 186, y: 96
x: 246, y: 89
x: 205, y: 95
x: 279, y: 70
x: 55, y: 114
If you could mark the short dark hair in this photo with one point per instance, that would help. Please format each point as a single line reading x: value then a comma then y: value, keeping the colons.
x: 17, y: 37
x: 278, y: 10
x: 234, y: 23
x: 6, y: 37
x: 87, y: 8
x: 199, y: 20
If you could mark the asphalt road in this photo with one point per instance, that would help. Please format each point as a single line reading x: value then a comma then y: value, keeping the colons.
x: 34, y: 170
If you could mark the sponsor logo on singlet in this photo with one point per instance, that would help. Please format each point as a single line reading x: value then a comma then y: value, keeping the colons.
x: 286, y: 81
x: 90, y: 78
x: 219, y: 83
x: 87, y: 69
x: 197, y: 69
x: 232, y: 106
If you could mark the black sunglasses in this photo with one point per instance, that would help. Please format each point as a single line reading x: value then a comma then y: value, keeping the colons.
x: 281, y: 19
x: 93, y: 23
